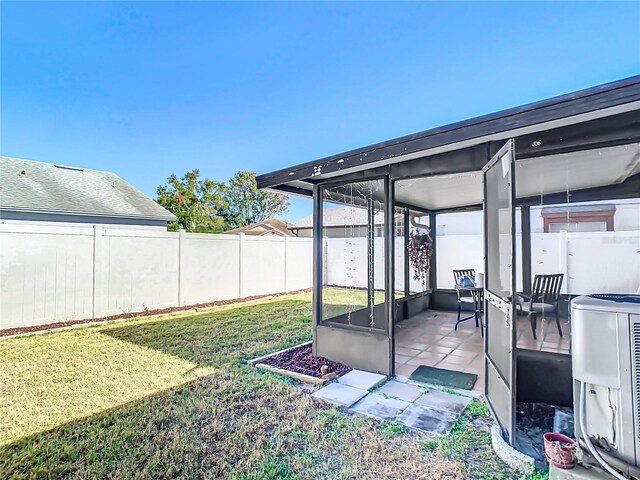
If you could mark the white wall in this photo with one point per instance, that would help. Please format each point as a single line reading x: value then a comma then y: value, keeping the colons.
x: 52, y: 273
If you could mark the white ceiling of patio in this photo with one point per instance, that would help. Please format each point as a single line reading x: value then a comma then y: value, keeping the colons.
x: 534, y: 176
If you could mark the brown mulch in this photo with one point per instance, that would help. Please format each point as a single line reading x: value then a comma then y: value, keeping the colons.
x: 301, y: 360
x: 147, y: 313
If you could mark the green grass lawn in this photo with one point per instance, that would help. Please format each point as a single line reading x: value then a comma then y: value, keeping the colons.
x: 173, y: 397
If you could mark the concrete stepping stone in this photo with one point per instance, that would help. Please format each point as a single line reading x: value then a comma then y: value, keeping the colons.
x: 402, y: 391
x: 444, y: 401
x: 339, y: 394
x: 361, y: 379
x: 379, y: 406
x: 427, y: 419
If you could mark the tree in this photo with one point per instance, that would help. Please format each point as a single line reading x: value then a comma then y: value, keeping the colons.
x: 245, y: 204
x: 197, y: 203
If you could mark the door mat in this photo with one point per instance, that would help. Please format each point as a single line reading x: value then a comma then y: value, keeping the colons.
x: 444, y: 378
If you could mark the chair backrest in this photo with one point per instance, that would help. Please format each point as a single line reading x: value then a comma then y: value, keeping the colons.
x: 458, y: 274
x: 546, y: 288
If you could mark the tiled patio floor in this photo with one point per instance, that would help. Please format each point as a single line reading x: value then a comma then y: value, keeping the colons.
x: 429, y: 339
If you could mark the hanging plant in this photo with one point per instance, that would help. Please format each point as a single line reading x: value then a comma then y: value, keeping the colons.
x: 419, y: 249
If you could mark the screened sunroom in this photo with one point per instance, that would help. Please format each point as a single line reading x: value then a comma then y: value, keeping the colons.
x: 467, y: 225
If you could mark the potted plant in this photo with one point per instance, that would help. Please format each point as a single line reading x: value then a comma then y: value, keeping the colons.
x: 419, y: 249
x: 560, y: 450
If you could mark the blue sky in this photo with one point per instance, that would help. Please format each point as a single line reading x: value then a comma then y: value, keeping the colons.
x: 149, y: 89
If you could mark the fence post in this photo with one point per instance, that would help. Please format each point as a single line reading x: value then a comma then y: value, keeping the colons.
x: 240, y: 253
x: 97, y: 288
x: 286, y: 252
x: 564, y: 258
x: 181, y: 239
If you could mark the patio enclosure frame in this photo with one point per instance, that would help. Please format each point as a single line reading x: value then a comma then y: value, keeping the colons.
x: 362, y: 347
x: 589, y: 120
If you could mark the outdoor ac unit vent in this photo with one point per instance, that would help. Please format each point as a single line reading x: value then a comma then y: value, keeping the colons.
x: 606, y: 360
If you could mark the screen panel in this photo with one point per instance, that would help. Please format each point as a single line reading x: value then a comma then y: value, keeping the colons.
x: 500, y: 400
x: 353, y: 283
x: 354, y: 278
x: 499, y: 225
x: 499, y: 340
x: 499, y: 221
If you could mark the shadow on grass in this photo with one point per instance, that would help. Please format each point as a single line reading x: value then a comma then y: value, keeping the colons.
x: 188, y: 430
x: 237, y: 423
x: 183, y: 432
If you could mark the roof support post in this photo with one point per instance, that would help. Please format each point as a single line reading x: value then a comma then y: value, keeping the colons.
x: 525, y: 229
x: 317, y: 263
x: 433, y: 271
x: 389, y: 255
x: 405, y: 256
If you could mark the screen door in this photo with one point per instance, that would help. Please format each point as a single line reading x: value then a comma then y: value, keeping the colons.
x: 499, y: 228
x: 352, y: 285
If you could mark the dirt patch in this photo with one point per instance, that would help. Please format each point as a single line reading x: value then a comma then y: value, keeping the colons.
x: 301, y: 360
x: 147, y: 313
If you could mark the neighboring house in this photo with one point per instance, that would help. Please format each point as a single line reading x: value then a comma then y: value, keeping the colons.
x: 274, y: 227
x: 35, y: 193
x: 340, y: 222
x: 613, y: 215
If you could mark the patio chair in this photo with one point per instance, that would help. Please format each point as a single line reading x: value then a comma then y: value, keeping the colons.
x: 463, y: 297
x: 545, y: 298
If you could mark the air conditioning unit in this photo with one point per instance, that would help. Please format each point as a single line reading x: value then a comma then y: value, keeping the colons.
x: 605, y: 341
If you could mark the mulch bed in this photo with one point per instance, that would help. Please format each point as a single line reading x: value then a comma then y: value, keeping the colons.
x: 147, y: 313
x: 301, y: 360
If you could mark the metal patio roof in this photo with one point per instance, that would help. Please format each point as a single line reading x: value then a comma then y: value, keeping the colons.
x: 582, y: 106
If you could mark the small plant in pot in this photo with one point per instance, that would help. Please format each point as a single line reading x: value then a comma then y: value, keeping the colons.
x: 560, y: 450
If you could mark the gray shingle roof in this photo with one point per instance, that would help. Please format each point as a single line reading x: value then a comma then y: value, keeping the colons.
x: 27, y: 185
x: 340, y: 217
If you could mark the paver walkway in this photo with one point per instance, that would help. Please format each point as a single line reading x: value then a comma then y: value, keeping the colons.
x: 415, y: 406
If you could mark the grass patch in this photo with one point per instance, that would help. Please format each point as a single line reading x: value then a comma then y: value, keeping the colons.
x: 392, y: 429
x: 539, y: 475
x: 173, y: 397
x: 470, y: 440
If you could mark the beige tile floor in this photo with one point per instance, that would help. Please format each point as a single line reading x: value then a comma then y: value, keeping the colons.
x: 429, y: 339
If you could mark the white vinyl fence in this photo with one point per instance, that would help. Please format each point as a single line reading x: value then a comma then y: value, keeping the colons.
x: 346, y: 264
x: 592, y: 262
x: 50, y: 274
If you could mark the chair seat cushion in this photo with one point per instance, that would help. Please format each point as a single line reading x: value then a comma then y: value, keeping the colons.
x: 466, y: 299
x: 538, y: 307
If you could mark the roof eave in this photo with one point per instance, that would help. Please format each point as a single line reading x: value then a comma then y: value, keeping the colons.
x: 167, y: 218
x: 534, y: 115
